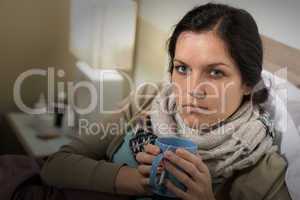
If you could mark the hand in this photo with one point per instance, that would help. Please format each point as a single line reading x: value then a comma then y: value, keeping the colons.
x: 138, y: 183
x: 145, y: 161
x: 130, y: 182
x: 195, y: 175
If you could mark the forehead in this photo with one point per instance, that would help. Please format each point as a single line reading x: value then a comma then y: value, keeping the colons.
x: 202, y: 48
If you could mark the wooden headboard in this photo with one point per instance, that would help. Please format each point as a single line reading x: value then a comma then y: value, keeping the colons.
x: 278, y: 55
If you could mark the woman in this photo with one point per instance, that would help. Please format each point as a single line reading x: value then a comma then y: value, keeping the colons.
x: 211, y: 98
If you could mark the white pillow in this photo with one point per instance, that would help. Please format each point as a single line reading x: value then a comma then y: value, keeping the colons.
x: 281, y: 93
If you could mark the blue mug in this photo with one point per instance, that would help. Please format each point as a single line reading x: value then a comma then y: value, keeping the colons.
x: 170, y: 144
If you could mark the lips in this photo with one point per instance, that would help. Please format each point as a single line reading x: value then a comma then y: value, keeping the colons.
x: 190, y: 108
x: 194, y: 106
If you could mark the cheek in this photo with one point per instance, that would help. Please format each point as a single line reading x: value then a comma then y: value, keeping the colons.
x: 179, y: 86
x: 231, y: 97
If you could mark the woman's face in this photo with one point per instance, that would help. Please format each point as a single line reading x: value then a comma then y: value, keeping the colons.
x: 203, y: 65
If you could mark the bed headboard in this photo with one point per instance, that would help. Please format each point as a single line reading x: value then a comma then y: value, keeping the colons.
x: 278, y: 55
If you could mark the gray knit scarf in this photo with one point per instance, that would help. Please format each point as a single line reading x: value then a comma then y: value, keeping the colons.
x: 234, y: 144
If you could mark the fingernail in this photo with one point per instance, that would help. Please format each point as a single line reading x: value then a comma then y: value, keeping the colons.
x: 168, y: 154
x: 160, y: 169
x: 179, y: 150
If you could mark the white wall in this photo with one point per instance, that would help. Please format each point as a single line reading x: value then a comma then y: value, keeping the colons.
x: 103, y: 32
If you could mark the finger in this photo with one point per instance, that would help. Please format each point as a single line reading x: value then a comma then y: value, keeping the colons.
x: 180, y: 175
x: 190, y: 157
x: 178, y: 192
x: 144, y: 169
x: 187, y: 166
x: 145, y: 182
x: 145, y: 158
x: 152, y: 149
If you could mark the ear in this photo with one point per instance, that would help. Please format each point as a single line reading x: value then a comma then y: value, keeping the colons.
x: 246, y: 89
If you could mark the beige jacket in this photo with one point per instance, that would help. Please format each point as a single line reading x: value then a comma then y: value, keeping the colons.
x: 85, y: 163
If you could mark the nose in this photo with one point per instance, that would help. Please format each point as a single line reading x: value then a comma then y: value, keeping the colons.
x: 195, y: 84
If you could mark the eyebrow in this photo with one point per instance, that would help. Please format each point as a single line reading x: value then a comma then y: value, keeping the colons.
x: 210, y: 65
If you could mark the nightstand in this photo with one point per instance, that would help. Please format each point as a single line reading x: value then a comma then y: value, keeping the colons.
x: 28, y: 127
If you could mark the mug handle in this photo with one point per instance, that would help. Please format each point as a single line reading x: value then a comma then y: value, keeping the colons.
x: 153, y: 172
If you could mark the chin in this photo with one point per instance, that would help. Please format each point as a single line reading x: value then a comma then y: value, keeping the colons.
x: 191, y: 119
x: 194, y: 120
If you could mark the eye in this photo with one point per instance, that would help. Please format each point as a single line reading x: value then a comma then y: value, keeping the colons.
x: 216, y: 73
x: 181, y: 69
